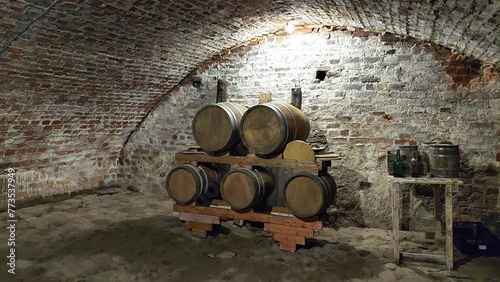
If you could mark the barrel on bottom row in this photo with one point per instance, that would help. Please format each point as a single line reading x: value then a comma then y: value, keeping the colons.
x: 304, y: 194
x: 187, y: 184
x: 245, y: 188
x: 307, y: 195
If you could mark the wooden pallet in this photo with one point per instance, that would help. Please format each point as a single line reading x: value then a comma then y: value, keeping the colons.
x: 286, y: 229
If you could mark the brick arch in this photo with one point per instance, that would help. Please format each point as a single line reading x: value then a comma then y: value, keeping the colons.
x: 78, y: 76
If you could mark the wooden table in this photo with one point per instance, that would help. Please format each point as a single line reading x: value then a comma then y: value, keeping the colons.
x: 450, y: 184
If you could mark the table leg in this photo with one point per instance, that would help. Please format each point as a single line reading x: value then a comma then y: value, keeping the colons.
x: 396, y: 219
x: 438, y: 211
x: 449, y: 226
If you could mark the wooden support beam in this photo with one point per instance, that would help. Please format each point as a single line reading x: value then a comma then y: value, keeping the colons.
x: 297, y: 97
x: 221, y: 91
x: 199, y: 233
x: 424, y: 257
x: 395, y: 219
x: 289, y: 242
x: 199, y: 218
x: 265, y: 97
x: 199, y: 225
x: 449, y: 225
x: 298, y: 231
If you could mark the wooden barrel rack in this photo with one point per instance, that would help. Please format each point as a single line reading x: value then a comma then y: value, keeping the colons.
x: 287, y: 229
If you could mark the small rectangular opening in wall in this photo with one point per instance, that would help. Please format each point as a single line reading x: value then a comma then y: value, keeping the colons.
x: 445, y: 110
x: 321, y: 74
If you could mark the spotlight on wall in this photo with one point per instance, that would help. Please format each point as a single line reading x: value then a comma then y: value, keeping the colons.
x: 290, y: 28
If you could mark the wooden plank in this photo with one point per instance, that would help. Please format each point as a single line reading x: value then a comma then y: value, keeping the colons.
x: 424, y: 257
x: 221, y: 91
x: 298, y: 150
x: 426, y: 180
x: 248, y: 161
x: 265, y: 97
x: 438, y: 211
x: 328, y: 157
x: 199, y: 233
x: 250, y: 216
x: 199, y: 218
x: 288, y: 246
x: 395, y: 220
x: 199, y: 225
x: 276, y: 228
x: 297, y: 97
x: 274, y: 209
x: 449, y: 226
x: 217, y: 202
x: 417, y: 235
x: 298, y: 240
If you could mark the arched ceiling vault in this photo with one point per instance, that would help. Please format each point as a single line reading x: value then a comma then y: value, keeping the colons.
x: 183, y: 32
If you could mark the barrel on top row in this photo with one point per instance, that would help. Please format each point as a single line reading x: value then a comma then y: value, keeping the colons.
x: 216, y: 127
x: 264, y: 129
x: 304, y: 194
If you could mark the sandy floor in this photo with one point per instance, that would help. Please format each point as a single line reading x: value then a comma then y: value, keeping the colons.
x: 134, y: 237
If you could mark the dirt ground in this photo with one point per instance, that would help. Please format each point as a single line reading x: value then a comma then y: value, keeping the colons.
x: 131, y: 236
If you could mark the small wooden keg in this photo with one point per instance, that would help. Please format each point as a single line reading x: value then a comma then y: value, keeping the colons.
x: 444, y: 160
x: 216, y: 127
x: 245, y: 188
x: 267, y: 128
x: 307, y: 195
x: 186, y: 183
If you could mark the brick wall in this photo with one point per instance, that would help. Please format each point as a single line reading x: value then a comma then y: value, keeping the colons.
x: 379, y: 92
x: 77, y: 77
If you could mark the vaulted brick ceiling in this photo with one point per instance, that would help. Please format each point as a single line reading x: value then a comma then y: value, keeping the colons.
x: 74, y: 68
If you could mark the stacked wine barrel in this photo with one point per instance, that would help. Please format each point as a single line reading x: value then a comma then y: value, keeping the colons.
x: 264, y: 130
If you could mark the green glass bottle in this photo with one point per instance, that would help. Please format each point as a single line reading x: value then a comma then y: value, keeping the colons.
x: 398, y: 166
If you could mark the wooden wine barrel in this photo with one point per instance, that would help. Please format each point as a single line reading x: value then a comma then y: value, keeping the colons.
x: 245, y: 188
x: 216, y: 127
x: 186, y: 183
x: 267, y: 128
x: 425, y: 151
x: 307, y: 195
x: 444, y: 160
